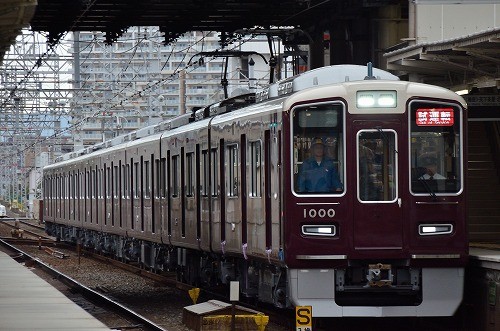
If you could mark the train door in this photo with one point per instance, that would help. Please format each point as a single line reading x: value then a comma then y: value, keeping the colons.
x: 148, y: 217
x: 107, y: 195
x: 233, y: 227
x: 115, y: 192
x: 137, y: 219
x: 377, y: 212
x: 159, y: 194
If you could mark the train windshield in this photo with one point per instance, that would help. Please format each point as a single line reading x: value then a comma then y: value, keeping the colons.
x: 318, y: 157
x: 436, y: 148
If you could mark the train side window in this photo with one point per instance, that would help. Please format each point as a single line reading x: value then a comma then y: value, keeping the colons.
x: 190, y: 174
x: 435, y: 148
x: 232, y: 170
x: 175, y: 176
x: 255, y: 187
x: 318, y: 149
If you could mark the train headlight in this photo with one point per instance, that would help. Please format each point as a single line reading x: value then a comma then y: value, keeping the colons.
x: 376, y: 99
x: 434, y: 229
x: 319, y: 230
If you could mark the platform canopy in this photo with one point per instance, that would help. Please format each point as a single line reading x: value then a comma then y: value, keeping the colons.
x: 14, y: 16
x: 175, y: 17
x: 459, y: 63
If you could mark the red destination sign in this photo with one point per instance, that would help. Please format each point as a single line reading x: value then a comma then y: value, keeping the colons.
x: 435, y: 117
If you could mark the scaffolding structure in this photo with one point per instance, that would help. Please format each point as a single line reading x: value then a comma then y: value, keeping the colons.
x: 65, y: 96
x: 35, y: 103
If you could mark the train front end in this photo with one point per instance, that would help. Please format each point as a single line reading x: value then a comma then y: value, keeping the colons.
x: 374, y: 199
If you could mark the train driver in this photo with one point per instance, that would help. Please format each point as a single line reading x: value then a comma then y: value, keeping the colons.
x: 318, y: 174
x: 428, y: 161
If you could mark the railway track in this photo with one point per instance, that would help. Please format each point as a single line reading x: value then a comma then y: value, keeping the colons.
x: 63, y: 251
x: 279, y: 320
x: 88, y: 296
x: 21, y: 229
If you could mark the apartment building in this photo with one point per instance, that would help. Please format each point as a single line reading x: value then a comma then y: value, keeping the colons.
x: 138, y: 81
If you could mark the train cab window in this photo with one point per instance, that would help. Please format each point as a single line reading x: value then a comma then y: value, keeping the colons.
x: 436, y: 148
x: 232, y: 170
x: 318, y: 149
x: 376, y: 162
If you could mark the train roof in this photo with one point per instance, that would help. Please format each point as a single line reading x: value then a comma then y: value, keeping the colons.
x: 316, y: 77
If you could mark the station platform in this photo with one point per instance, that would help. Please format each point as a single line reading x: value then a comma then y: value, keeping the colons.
x: 488, y: 258
x: 481, y: 306
x: 27, y: 302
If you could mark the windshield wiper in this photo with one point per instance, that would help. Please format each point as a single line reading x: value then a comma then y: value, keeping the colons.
x: 419, y: 174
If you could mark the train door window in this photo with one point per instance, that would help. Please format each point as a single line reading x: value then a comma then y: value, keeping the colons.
x: 175, y: 176
x: 163, y: 178
x: 73, y: 195
x: 136, y: 181
x: 318, y: 148
x: 436, y: 148
x: 232, y: 170
x: 115, y: 181
x: 204, y: 173
x: 157, y: 183
x: 376, y: 163
x: 214, y: 167
x: 100, y: 184
x: 109, y: 183
x: 255, y: 169
x: 147, y: 179
x: 90, y: 191
x: 124, y: 179
x: 189, y: 174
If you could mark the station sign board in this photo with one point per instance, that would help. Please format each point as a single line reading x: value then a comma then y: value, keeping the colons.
x: 303, y: 318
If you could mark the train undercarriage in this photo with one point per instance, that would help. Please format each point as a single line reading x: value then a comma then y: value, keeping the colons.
x: 258, y: 280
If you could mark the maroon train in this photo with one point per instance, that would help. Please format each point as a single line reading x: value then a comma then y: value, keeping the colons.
x: 218, y: 195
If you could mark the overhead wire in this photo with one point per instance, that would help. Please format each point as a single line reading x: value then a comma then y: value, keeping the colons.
x: 170, y: 78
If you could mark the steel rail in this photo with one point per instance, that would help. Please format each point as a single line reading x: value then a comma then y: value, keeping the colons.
x: 87, y: 292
